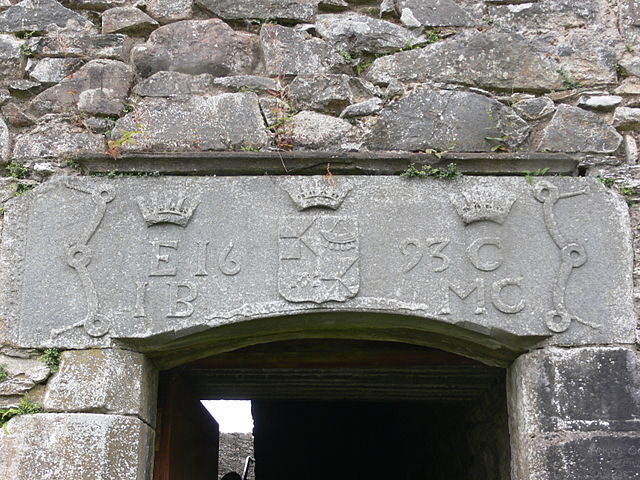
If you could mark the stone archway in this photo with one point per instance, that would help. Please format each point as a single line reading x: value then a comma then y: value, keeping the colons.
x: 154, y: 272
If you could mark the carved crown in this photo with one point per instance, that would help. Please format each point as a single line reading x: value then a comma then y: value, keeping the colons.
x: 176, y: 210
x: 483, y: 203
x: 318, y: 192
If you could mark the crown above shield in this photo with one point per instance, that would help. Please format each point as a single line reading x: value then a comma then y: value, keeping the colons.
x: 319, y: 192
x: 174, y: 210
x: 483, y: 203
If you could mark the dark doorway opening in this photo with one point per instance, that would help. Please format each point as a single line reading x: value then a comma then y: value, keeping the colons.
x: 351, y: 410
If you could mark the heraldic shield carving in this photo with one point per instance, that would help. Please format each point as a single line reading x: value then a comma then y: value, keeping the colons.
x: 318, y: 259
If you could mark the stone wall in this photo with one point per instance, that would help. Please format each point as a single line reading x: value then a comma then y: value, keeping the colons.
x: 108, y: 78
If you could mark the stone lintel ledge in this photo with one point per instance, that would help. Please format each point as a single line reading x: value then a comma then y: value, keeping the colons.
x: 344, y: 163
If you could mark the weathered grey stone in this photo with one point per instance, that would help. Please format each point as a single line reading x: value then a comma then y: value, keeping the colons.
x: 197, y: 46
x: 88, y: 446
x: 630, y: 61
x: 249, y: 82
x: 573, y: 129
x: 559, y: 396
x: 352, y: 32
x: 446, y: 120
x: 95, y: 4
x: 505, y: 313
x: 325, y: 92
x: 103, y: 380
x: 587, y: 57
x: 5, y: 142
x: 322, y: 132
x: 630, y: 149
x: 15, y: 114
x: 99, y: 87
x: 4, y: 4
x: 289, y: 52
x: 100, y: 125
x: 23, y: 375
x: 594, y: 458
x: 166, y: 11
x: 49, y: 71
x: 368, y: 107
x: 127, y: 20
x: 548, y: 14
x: 579, y: 389
x: 22, y: 85
x: 294, y: 10
x: 38, y: 16
x: 71, y: 43
x: 626, y: 118
x: 629, y: 86
x: 228, y: 121
x: 433, y: 13
x: 534, y: 108
x: 12, y: 62
x: 275, y: 111
x: 484, y: 59
x: 56, y: 136
x: 173, y: 84
x: 599, y: 102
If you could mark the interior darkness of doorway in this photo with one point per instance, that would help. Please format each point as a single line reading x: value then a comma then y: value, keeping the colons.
x: 379, y: 441
x: 353, y: 410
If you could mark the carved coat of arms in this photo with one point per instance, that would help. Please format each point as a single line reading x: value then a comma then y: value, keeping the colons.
x: 318, y: 258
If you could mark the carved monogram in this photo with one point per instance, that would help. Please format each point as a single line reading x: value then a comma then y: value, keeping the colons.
x: 318, y: 259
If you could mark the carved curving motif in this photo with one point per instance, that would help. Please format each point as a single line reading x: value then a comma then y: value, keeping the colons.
x: 572, y: 255
x: 79, y: 256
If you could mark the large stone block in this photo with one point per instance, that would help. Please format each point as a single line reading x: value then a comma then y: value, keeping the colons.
x: 99, y: 87
x: 70, y: 43
x: 497, y: 262
x: 292, y: 10
x: 357, y: 33
x: 55, y: 137
x: 494, y: 60
x: 76, y: 446
x: 38, y: 16
x: 291, y: 52
x: 106, y: 381
x: 198, y: 46
x: 446, y: 120
x: 578, y: 389
x: 12, y: 62
x: 589, y: 457
x: 573, y: 129
x: 229, y: 121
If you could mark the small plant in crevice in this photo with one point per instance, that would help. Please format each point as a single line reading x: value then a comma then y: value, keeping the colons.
x: 72, y: 164
x: 51, y: 357
x: 629, y: 193
x: 282, y: 112
x: 621, y: 72
x: 26, y: 50
x: 606, y: 181
x: 25, y: 407
x: 127, y: 137
x: 530, y: 174
x: 498, y: 144
x: 433, y: 36
x: 17, y: 170
x: 4, y: 374
x: 22, y: 188
x: 444, y: 173
x: 567, y: 81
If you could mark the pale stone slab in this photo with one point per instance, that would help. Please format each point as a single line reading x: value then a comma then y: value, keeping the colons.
x: 66, y: 446
x: 103, y: 380
x: 496, y: 260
